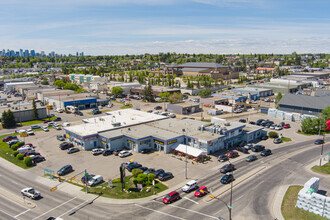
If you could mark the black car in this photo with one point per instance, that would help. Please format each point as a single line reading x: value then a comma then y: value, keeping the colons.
x: 227, y: 168
x: 264, y: 137
x: 266, y: 152
x: 65, y: 170
x: 65, y: 145
x: 79, y: 113
x: 227, y: 178
x: 85, y: 179
x: 268, y: 124
x: 319, y: 141
x: 143, y: 168
x: 223, y: 158
x: 133, y: 166
x: 165, y: 176
x: 158, y: 107
x: 60, y: 137
x: 150, y: 170
x: 37, y: 158
x: 242, y: 120
x: 146, y: 151
x: 258, y: 148
x: 96, y: 111
x: 243, y: 150
x: 259, y: 121
x: 57, y: 119
x: 107, y: 152
x: 252, y: 123
x: 158, y: 172
x: 282, y: 124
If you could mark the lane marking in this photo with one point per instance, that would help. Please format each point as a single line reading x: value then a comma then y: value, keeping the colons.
x: 22, y: 213
x: 54, y: 208
x: 191, y: 200
x: 210, y: 216
x: 72, y: 209
x: 7, y: 214
x: 158, y: 211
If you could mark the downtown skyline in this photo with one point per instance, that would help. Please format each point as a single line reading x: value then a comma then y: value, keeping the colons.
x: 149, y: 26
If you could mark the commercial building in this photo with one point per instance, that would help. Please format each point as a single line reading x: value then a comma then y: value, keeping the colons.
x: 11, y: 86
x: 214, y: 100
x: 137, y: 130
x: 259, y: 92
x: 81, y: 78
x: 155, y: 90
x: 183, y: 108
x: 284, y: 86
x: 24, y: 111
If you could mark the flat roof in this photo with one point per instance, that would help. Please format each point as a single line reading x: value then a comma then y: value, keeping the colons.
x: 251, y: 89
x: 126, y: 117
x: 183, y: 104
x: 72, y: 97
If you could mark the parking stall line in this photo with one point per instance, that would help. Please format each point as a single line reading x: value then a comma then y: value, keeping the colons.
x: 22, y: 213
x: 189, y: 210
x: 54, y: 208
x: 8, y: 214
x: 163, y: 213
x: 191, y: 200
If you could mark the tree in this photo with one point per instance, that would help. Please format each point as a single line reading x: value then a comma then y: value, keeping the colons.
x: 164, y: 95
x: 310, y: 125
x: 45, y: 81
x: 4, y: 119
x: 176, y: 97
x: 8, y: 119
x: 277, y: 99
x: 273, y: 134
x: 116, y: 91
x: 35, y: 110
x: 147, y: 93
x: 204, y: 93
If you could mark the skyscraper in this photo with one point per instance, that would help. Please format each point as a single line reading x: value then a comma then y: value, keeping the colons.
x: 26, y: 53
x: 33, y: 53
x: 20, y: 52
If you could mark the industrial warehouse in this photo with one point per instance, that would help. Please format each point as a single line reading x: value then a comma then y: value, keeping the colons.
x: 137, y: 131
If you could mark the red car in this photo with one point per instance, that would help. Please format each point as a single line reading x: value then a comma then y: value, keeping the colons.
x: 287, y: 126
x: 9, y: 138
x: 232, y: 154
x: 171, y: 197
x: 201, y: 191
x: 47, y: 121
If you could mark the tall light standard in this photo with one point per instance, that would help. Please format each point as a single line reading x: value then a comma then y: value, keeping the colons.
x: 229, y: 207
x: 231, y: 190
x: 184, y: 130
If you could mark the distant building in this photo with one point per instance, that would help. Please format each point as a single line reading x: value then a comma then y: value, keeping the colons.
x: 183, y: 108
x: 24, y: 112
x: 155, y: 90
x: 214, y: 100
x: 259, y: 92
x: 81, y: 78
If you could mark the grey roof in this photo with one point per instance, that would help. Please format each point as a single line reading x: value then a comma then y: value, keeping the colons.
x: 305, y: 101
x: 322, y: 92
x: 202, y: 65
x: 193, y: 69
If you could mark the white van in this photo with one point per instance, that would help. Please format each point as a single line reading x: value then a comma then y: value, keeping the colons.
x: 95, y: 180
x: 23, y: 149
x: 190, y: 186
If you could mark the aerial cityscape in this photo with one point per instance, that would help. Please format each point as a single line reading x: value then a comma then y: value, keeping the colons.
x: 187, y: 109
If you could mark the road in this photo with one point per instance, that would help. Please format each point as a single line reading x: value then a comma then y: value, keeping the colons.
x: 252, y: 198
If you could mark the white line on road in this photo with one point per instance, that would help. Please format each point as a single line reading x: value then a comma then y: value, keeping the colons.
x: 158, y: 212
x: 22, y: 213
x: 7, y: 214
x: 191, y: 200
x: 210, y: 216
x: 54, y: 208
x: 72, y: 209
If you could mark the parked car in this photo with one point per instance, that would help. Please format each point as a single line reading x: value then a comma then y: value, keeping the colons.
x: 72, y: 150
x: 57, y: 127
x: 266, y: 152
x: 35, y: 126
x: 143, y: 168
x: 227, y: 168
x: 95, y: 180
x: 66, y: 124
x: 97, y: 151
x: 12, y: 142
x: 252, y: 122
x: 227, y: 178
x: 277, y: 141
x: 248, y: 146
x: 171, y: 115
x: 165, y: 176
x: 264, y: 137
x: 171, y: 197
x: 57, y: 119
x: 319, y: 141
x: 46, y: 121
x: 79, y: 113
x: 45, y: 128
x: 158, y: 172
x: 146, y: 151
x: 96, y: 111
x: 201, y: 191
x: 37, y: 158
x: 65, y: 145
x: 190, y: 186
x: 60, y: 137
x: 257, y: 148
x: 107, y: 152
x: 133, y: 166
x: 116, y: 152
x: 272, y: 127
x: 287, y: 126
x: 223, y: 158
x: 158, y: 107
x: 31, y: 153
x: 243, y: 150
x: 65, y: 170
x: 282, y: 124
x: 124, y: 153
x: 9, y: 138
x: 150, y: 170
x: 85, y: 179
x: 251, y: 158
x: 232, y: 154
x: 31, y: 193
x: 30, y: 132
x: 278, y: 127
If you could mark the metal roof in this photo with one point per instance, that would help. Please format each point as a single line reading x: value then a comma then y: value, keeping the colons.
x: 305, y: 101
x: 193, y: 69
x: 202, y: 65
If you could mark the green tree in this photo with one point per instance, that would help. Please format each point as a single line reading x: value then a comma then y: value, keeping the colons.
x: 164, y: 95
x: 35, y: 110
x: 4, y: 119
x: 147, y: 93
x: 116, y: 91
x: 273, y: 134
x: 310, y: 125
x: 277, y: 99
x: 45, y: 81
x: 204, y: 93
x: 8, y: 119
x: 176, y: 97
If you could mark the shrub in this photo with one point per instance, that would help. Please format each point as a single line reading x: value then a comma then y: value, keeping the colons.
x: 141, y: 179
x: 20, y: 144
x: 151, y: 177
x: 136, y: 172
x: 14, y: 147
x: 28, y: 161
x: 273, y: 134
x: 20, y: 156
x: 116, y: 181
x: 15, y: 153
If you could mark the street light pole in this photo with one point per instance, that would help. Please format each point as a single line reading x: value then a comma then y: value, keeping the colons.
x: 228, y: 207
x: 231, y: 191
x: 322, y: 149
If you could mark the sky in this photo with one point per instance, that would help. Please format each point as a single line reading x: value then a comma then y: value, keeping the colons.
x: 119, y: 27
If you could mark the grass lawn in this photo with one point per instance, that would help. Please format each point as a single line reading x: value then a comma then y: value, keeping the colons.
x: 6, y: 153
x: 286, y: 139
x: 325, y: 169
x: 126, y: 106
x: 133, y: 193
x: 290, y: 212
x: 300, y: 132
x: 25, y: 123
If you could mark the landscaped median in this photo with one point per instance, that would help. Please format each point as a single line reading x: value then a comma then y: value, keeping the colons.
x: 289, y: 210
x: 325, y: 169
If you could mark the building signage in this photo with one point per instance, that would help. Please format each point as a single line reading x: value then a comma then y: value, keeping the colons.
x: 145, y: 142
x: 131, y: 141
x: 116, y: 139
x: 172, y: 142
x: 104, y: 142
x: 159, y: 142
x: 89, y: 138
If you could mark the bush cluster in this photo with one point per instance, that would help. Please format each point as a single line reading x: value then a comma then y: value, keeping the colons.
x: 273, y: 134
x: 28, y: 161
x: 20, y: 156
x: 136, y: 172
x: 15, y: 153
x: 144, y: 179
x: 14, y: 147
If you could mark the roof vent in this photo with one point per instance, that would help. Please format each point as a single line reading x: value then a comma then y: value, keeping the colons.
x: 227, y: 124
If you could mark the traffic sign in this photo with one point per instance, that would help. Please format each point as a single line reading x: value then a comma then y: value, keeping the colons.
x: 131, y: 160
x: 54, y: 188
x: 72, y: 178
x: 86, y: 174
x: 211, y: 196
x: 230, y: 207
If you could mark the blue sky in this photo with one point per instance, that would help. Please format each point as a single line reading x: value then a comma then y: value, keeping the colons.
x: 111, y: 27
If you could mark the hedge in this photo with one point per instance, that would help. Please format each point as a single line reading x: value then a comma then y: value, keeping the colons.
x: 15, y: 153
x: 20, y: 156
x: 28, y: 161
x: 273, y: 134
x: 14, y: 147
x: 20, y: 144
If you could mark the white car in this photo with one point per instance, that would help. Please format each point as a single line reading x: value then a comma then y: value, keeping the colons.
x: 45, y: 128
x: 59, y: 110
x: 66, y: 124
x: 97, y: 151
x: 278, y: 127
x: 31, y: 193
x: 124, y: 153
x: 272, y: 127
x: 30, y: 132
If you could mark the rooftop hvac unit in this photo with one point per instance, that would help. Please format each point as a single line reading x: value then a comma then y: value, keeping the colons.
x: 227, y: 124
x: 117, y: 124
